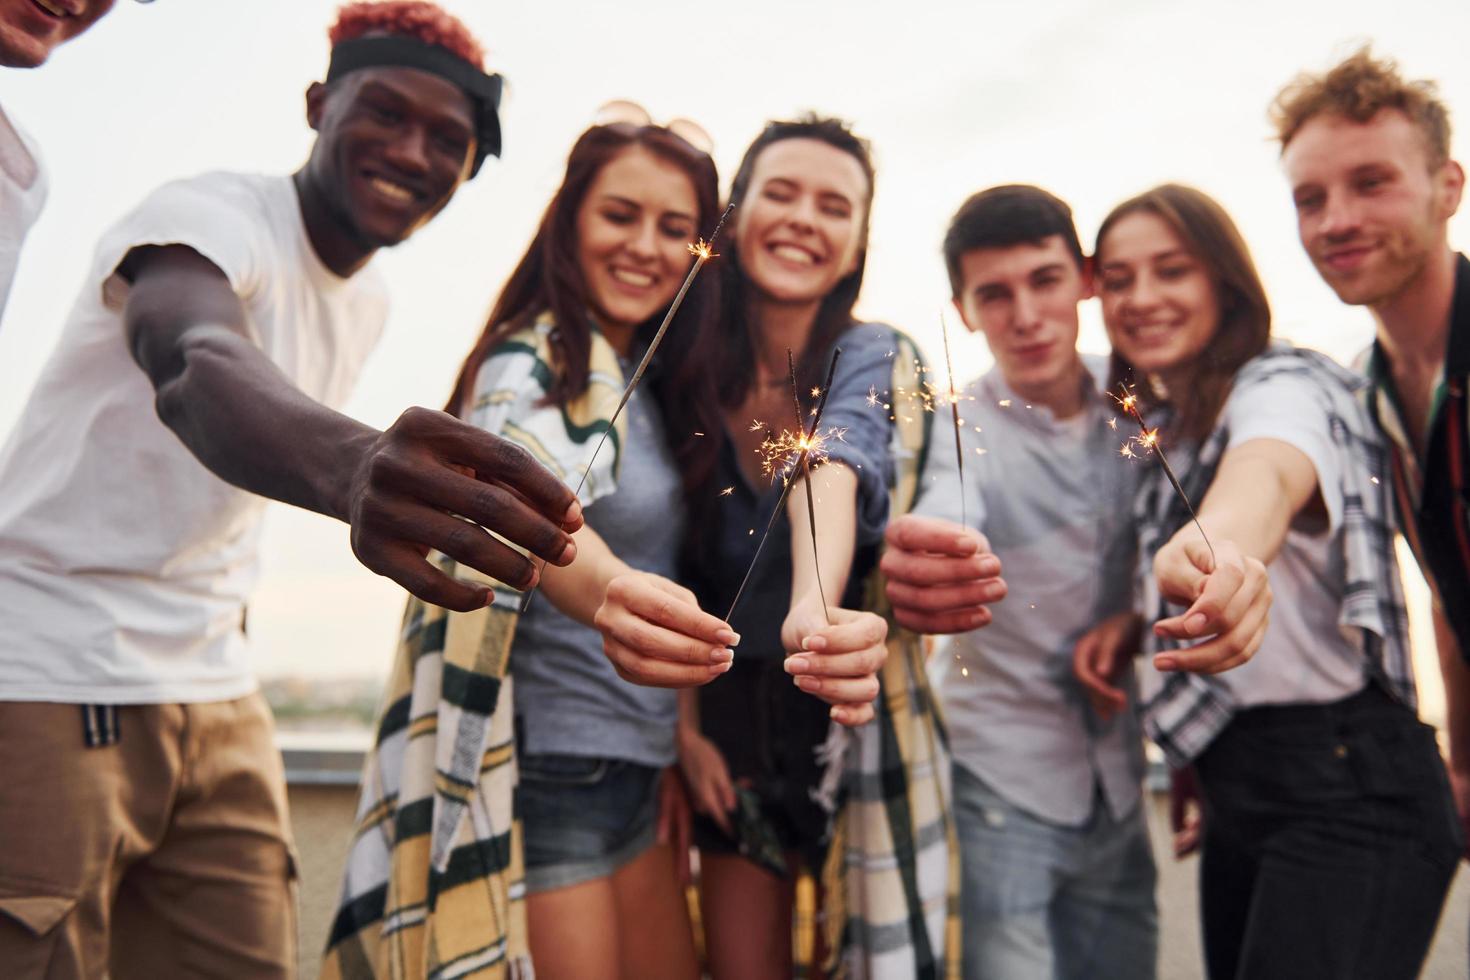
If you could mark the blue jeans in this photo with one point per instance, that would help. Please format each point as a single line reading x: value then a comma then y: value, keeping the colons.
x: 583, y: 817
x: 1041, y: 901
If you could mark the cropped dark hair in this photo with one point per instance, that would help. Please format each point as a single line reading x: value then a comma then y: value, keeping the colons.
x: 1012, y: 214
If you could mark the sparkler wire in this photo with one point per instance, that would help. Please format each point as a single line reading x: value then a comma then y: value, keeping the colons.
x: 786, y: 490
x: 702, y: 254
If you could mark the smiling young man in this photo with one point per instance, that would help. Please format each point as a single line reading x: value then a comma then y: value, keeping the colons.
x: 144, y: 811
x: 1058, y: 876
x: 1367, y: 156
x: 29, y: 31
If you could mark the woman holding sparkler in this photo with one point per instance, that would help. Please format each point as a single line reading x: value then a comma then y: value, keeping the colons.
x: 754, y: 748
x: 1329, y: 838
x: 555, y: 368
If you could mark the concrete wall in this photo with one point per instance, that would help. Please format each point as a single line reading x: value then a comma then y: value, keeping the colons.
x: 322, y: 818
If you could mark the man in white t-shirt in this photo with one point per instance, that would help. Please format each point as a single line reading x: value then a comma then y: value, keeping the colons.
x: 143, y: 806
x: 29, y: 31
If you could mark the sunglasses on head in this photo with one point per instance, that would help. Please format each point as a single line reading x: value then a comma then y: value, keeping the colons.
x: 628, y: 113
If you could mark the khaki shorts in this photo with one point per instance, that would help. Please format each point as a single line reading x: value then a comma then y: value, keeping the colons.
x: 166, y: 854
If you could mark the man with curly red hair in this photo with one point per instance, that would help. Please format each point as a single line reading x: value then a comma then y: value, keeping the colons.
x: 144, y: 820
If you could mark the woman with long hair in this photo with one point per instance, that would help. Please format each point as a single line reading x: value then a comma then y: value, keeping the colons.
x: 561, y: 786
x: 755, y: 751
x: 1329, y: 838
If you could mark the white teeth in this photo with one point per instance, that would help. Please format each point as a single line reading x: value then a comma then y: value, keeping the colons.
x: 633, y: 278
x: 793, y: 254
x: 391, y: 190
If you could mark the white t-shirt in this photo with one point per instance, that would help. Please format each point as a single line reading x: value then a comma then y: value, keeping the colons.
x: 125, y: 565
x: 1307, y: 656
x: 22, y: 194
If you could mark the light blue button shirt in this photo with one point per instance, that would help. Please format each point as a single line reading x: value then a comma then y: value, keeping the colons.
x: 1054, y: 498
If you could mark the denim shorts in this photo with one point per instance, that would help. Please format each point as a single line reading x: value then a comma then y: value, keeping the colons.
x: 583, y: 817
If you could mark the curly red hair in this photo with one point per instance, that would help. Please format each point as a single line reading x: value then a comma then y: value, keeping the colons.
x: 408, y: 18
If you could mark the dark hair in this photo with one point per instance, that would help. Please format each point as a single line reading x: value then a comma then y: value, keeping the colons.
x: 1245, y: 314
x: 1359, y: 88
x: 834, y: 316
x: 999, y: 217
x: 549, y: 279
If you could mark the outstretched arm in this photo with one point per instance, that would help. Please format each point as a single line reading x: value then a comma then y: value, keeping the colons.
x: 1260, y: 489
x: 837, y: 661
x: 403, y: 490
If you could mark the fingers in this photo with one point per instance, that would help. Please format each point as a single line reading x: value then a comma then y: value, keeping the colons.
x: 1240, y: 627
x: 1094, y: 664
x: 850, y: 631
x: 944, y: 598
x: 920, y: 569
x: 671, y: 607
x: 1206, y: 614
x: 932, y: 534
x: 496, y: 508
x: 941, y: 623
x: 636, y: 667
x: 853, y: 715
x: 501, y: 461
x: 407, y: 566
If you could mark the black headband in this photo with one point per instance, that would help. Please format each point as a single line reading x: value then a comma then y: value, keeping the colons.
x: 394, y: 51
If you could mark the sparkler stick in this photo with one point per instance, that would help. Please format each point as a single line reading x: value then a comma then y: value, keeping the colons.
x: 806, y: 445
x: 806, y: 476
x: 1149, y: 440
x: 954, y: 407
x: 702, y: 252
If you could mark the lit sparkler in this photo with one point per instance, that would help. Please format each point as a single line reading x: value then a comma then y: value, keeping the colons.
x: 1148, y: 442
x: 806, y: 445
x: 805, y: 461
x: 702, y: 251
x: 954, y: 407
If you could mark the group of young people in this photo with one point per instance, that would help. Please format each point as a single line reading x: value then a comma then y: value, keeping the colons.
x: 542, y: 768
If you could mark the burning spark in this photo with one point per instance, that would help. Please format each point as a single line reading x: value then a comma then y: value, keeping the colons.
x: 1004, y: 403
x: 872, y: 396
x: 816, y: 392
x: 805, y: 444
x: 1113, y: 423
x: 1148, y: 441
x: 727, y: 491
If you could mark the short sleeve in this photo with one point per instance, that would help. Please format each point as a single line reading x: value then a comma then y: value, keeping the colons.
x: 508, y: 402
x: 1288, y: 407
x: 864, y: 370
x: 214, y: 215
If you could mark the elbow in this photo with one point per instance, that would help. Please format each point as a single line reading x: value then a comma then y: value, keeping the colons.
x: 181, y: 374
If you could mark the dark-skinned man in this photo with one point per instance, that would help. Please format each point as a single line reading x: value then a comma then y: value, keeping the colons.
x: 143, y: 814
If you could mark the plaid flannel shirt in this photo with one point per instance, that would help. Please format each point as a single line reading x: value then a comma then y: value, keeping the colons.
x: 434, y: 886
x: 1186, y: 711
x: 892, y: 873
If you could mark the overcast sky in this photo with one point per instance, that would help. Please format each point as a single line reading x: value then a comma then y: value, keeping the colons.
x: 1095, y: 101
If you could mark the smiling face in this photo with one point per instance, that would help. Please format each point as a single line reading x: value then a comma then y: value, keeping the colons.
x: 31, y: 29
x: 1024, y: 298
x: 1371, y: 207
x: 633, y: 232
x: 800, y: 226
x: 1160, y: 304
x: 393, y: 146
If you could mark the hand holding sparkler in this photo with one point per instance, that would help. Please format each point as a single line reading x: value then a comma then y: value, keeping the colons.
x: 940, y: 575
x: 656, y: 635
x: 1229, y: 598
x: 835, y: 654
